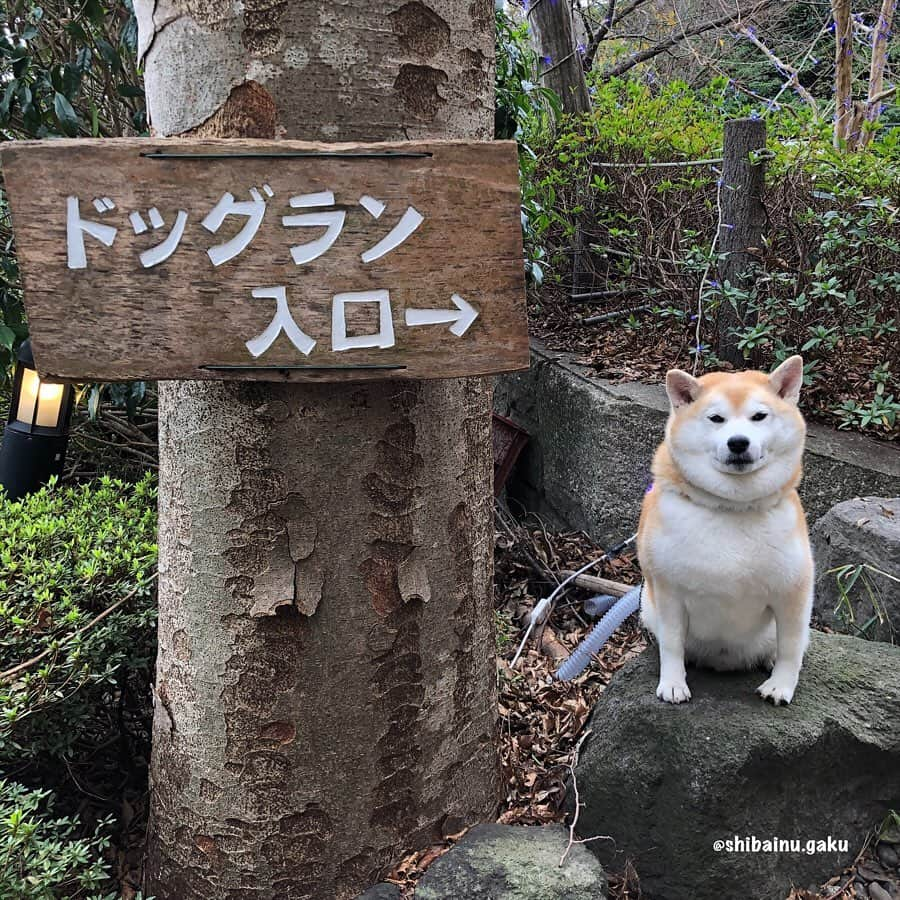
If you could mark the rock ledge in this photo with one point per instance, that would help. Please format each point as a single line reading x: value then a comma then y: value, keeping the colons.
x: 668, y: 781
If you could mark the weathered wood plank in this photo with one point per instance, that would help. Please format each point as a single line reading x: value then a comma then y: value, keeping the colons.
x: 124, y: 316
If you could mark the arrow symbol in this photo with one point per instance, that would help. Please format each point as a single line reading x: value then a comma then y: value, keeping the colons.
x: 461, y: 317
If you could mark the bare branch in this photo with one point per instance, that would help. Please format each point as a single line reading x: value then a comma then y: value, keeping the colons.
x: 572, y: 839
x: 673, y: 40
x: 793, y: 74
x: 806, y: 56
x: 628, y: 10
x: 600, y: 34
x: 707, y: 61
x: 883, y: 95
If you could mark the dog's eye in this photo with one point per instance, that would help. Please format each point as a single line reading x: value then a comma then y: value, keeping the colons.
x: 715, y: 417
x: 758, y: 417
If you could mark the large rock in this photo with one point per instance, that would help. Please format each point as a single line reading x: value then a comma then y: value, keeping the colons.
x: 864, y: 530
x: 507, y: 862
x: 383, y: 891
x: 667, y: 781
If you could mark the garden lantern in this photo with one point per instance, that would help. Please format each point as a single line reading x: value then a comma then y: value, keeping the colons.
x: 37, y: 430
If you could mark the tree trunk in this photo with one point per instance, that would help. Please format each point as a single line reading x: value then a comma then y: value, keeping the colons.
x: 325, y: 694
x: 743, y: 221
x: 560, y: 62
x: 559, y: 58
x: 871, y: 108
x: 843, y: 72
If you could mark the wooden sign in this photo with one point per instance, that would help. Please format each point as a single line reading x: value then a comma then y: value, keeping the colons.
x: 274, y: 260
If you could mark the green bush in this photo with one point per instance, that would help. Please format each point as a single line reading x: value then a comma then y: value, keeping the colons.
x: 68, y: 555
x: 43, y: 857
x: 525, y: 111
x: 827, y: 275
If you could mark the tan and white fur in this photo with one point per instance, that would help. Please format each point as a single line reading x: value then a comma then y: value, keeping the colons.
x: 722, y: 541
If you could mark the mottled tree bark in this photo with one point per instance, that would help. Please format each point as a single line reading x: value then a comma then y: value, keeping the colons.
x: 325, y: 682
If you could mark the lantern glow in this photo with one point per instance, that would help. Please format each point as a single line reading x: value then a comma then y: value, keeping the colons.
x: 36, y: 434
x: 39, y: 401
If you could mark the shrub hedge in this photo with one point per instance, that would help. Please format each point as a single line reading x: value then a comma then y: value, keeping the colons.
x: 43, y: 856
x: 68, y: 555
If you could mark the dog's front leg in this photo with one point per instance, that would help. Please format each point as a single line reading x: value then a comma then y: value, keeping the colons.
x: 792, y: 636
x: 671, y: 630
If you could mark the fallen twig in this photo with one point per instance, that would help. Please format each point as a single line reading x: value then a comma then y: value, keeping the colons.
x: 572, y: 839
x: 541, y: 570
x: 599, y: 295
x: 593, y: 320
x: 597, y: 583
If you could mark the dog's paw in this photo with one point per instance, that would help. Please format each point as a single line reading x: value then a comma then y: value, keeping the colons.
x: 673, y: 691
x: 778, y: 690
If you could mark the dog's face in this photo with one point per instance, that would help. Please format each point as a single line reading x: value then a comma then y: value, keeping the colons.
x: 738, y: 435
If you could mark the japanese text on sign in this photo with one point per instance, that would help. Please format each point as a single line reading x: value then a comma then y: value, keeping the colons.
x: 253, y: 211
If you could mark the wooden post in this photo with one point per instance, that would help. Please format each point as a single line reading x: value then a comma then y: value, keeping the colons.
x: 743, y: 218
x: 325, y: 695
x: 559, y: 59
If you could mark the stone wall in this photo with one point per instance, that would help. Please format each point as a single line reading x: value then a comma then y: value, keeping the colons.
x: 587, y: 464
x: 859, y: 532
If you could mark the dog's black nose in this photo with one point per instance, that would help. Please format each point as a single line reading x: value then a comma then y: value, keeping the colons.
x: 738, y: 443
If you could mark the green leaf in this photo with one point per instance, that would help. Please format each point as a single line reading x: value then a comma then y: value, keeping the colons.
x: 8, y: 95
x: 67, y: 117
x: 109, y: 53
x: 7, y: 336
x: 130, y: 90
x: 83, y: 58
x: 25, y: 97
x: 71, y: 79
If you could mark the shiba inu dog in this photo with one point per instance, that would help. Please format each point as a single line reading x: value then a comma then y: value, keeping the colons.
x: 722, y: 539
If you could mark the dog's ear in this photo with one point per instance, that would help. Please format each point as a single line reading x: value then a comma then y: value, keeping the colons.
x: 787, y: 379
x: 681, y: 388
